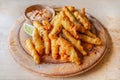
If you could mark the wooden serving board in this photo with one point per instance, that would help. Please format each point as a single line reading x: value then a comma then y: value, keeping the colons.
x: 51, y: 67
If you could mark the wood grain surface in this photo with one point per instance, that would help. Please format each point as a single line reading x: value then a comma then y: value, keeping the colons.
x: 50, y: 67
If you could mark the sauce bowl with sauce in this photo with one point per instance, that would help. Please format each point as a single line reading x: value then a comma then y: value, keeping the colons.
x: 39, y: 12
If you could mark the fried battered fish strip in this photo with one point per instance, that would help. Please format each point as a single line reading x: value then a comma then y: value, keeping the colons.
x: 54, y: 19
x: 75, y: 42
x: 67, y: 25
x: 90, y: 34
x: 44, y: 34
x: 83, y: 11
x: 88, y: 39
x: 57, y: 26
x: 73, y: 19
x: 71, y: 8
x: 69, y: 14
x: 46, y: 42
x: 54, y: 46
x: 83, y: 19
x: 77, y: 14
x: 68, y: 50
x: 38, y: 42
x: 30, y: 47
x: 46, y: 24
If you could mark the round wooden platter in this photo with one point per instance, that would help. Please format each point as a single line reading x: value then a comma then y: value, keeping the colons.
x: 51, y: 67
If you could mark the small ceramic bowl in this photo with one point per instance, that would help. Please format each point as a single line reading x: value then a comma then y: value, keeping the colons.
x: 38, y: 7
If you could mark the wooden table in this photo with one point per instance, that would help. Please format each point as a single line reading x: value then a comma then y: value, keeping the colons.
x: 106, y: 11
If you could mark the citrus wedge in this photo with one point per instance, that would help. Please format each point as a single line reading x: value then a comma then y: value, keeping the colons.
x: 28, y: 28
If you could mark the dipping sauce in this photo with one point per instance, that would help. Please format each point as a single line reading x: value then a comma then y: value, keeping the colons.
x: 42, y: 14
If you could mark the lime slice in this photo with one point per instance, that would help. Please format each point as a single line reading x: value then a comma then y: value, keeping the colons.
x: 28, y: 28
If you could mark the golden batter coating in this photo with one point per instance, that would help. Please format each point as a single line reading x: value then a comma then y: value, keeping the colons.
x: 91, y: 40
x: 67, y: 49
x: 67, y: 34
x: 38, y: 42
x: 71, y: 28
x: 83, y: 19
x: 75, y: 42
x: 56, y: 23
x: 73, y: 20
x: 44, y: 35
x: 54, y: 46
x: 30, y: 47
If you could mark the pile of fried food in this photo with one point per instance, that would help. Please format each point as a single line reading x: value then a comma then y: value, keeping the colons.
x: 62, y: 36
